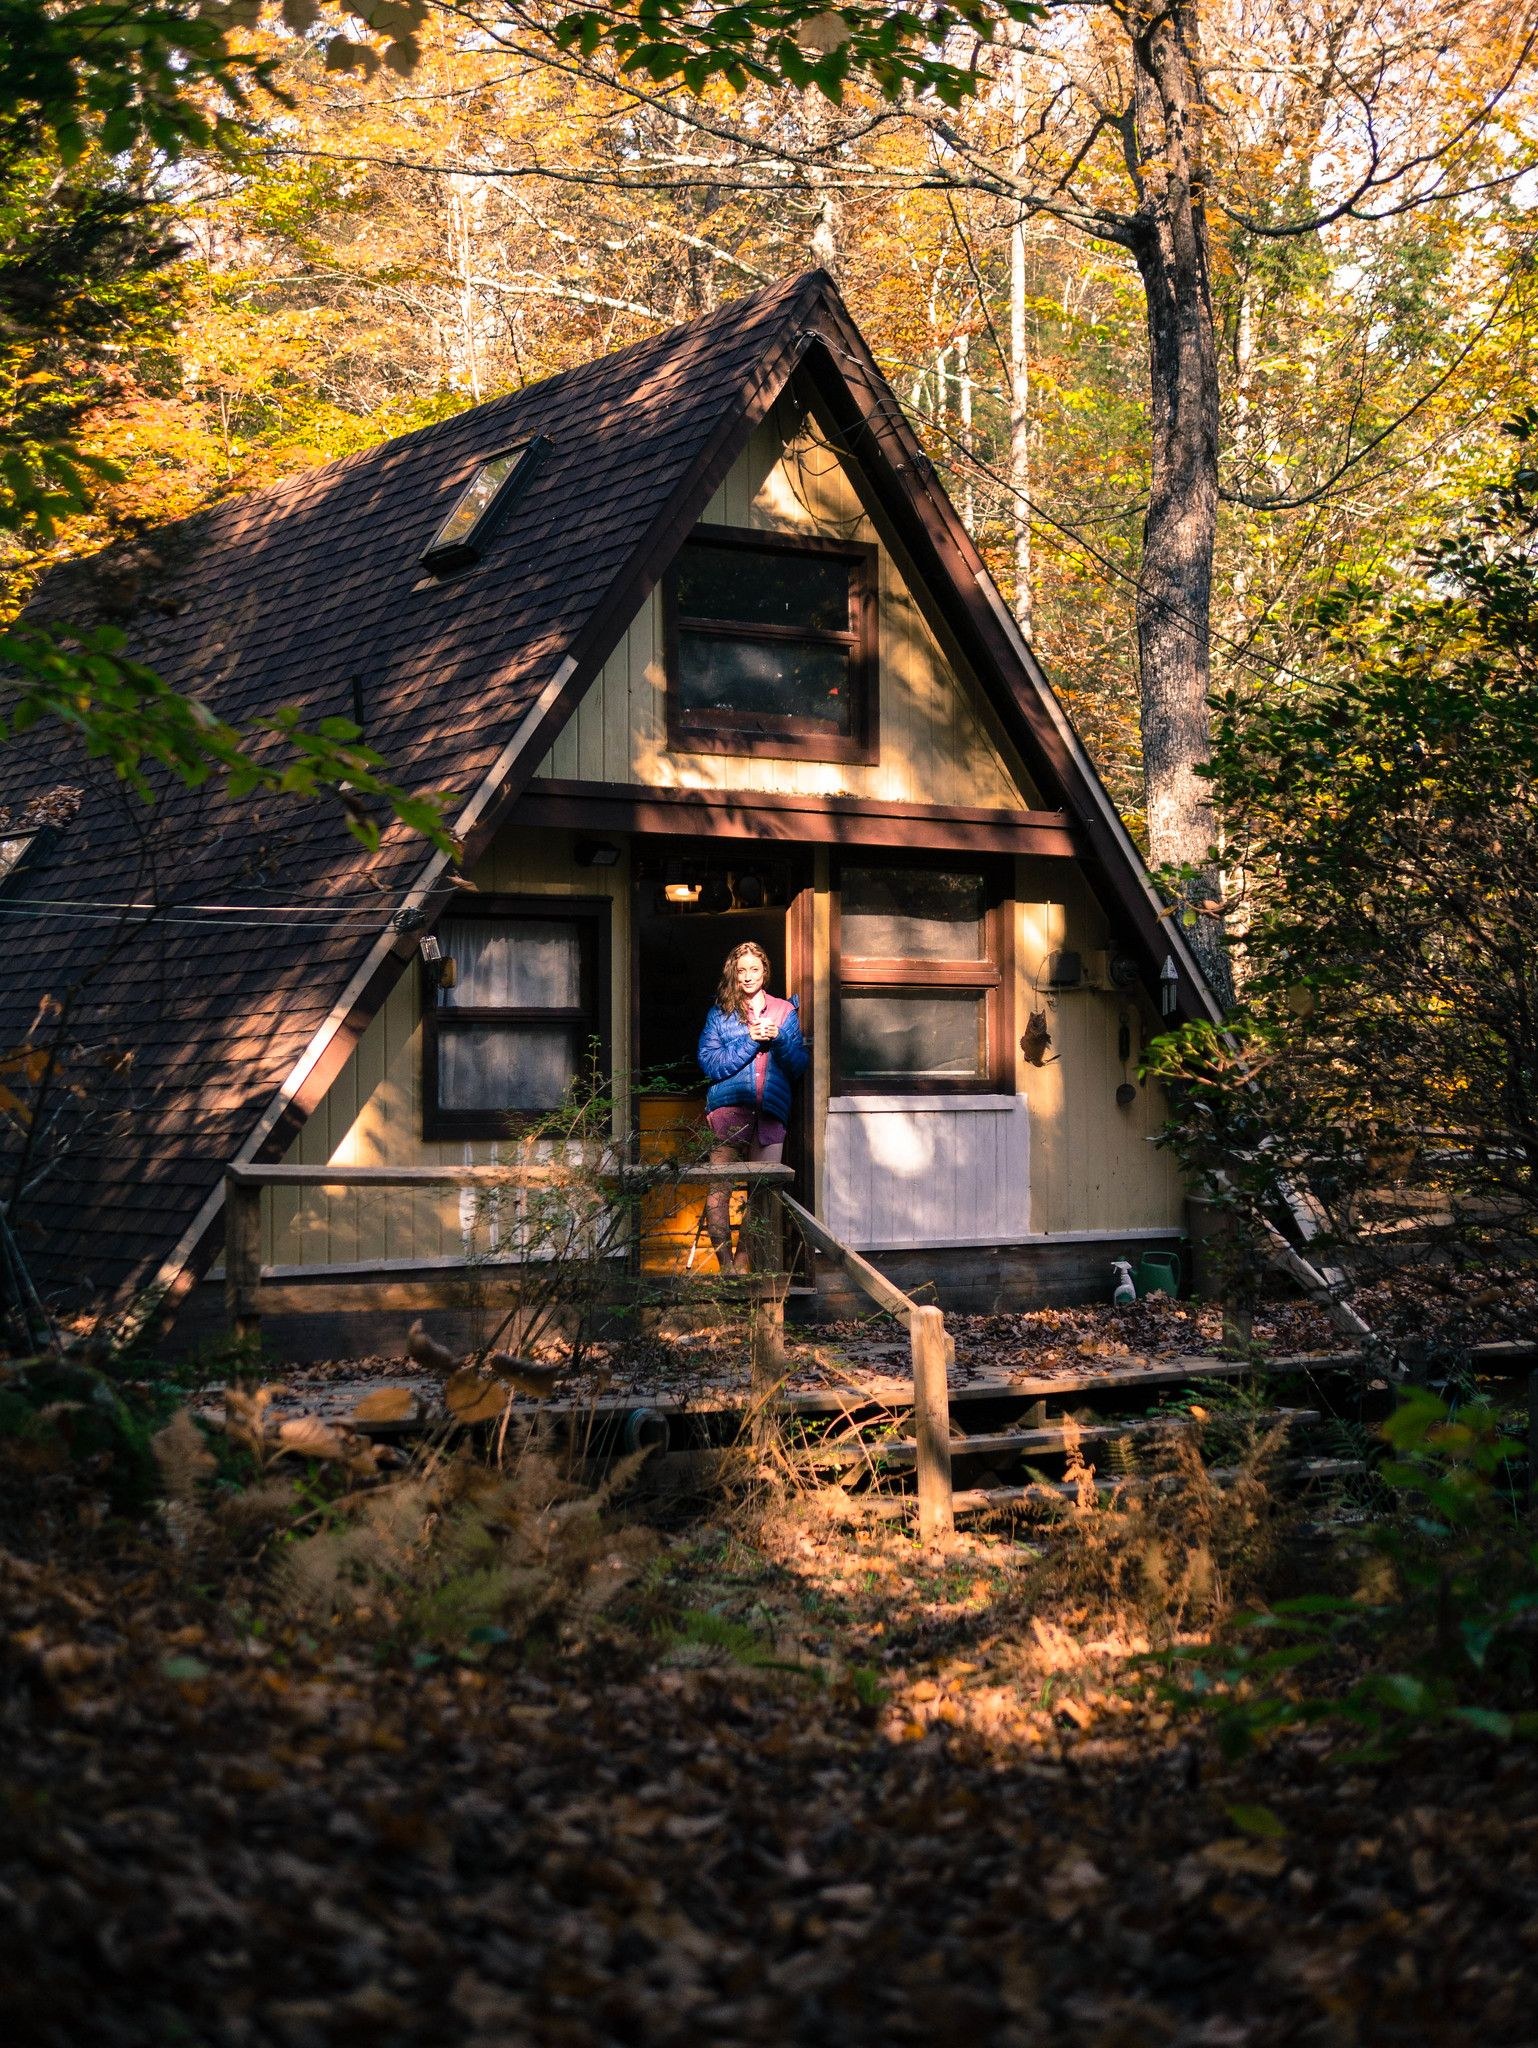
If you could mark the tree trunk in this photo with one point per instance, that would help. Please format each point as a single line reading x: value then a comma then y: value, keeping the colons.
x: 1180, y: 531
x: 1019, y: 360
x: 964, y: 399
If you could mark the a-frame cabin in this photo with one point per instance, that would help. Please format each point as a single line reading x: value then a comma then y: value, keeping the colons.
x: 699, y: 638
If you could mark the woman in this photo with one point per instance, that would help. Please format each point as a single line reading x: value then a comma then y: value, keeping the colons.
x: 751, y: 1050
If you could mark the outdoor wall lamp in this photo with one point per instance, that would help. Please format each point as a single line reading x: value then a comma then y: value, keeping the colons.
x: 440, y: 968
x: 595, y: 853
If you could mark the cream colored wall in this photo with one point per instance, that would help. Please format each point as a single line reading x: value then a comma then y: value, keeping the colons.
x: 372, y: 1114
x: 938, y: 742
x: 1092, y: 1165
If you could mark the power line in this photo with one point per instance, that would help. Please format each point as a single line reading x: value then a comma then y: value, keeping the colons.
x: 147, y: 915
x: 200, y: 909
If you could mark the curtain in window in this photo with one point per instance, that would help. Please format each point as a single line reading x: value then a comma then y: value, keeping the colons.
x: 515, y: 963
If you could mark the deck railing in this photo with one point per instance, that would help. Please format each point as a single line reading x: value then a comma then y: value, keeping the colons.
x: 931, y: 1354
x: 769, y: 1206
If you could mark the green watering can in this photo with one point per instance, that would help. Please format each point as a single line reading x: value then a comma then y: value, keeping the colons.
x: 1158, y: 1273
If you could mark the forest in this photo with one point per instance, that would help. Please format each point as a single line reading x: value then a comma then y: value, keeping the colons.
x: 1082, y: 1588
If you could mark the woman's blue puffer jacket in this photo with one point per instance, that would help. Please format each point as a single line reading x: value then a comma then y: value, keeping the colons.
x: 727, y: 1054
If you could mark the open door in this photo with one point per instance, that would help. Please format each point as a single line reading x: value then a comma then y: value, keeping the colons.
x: 692, y: 905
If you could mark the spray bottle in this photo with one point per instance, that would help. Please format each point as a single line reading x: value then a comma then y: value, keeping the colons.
x: 1124, y: 1294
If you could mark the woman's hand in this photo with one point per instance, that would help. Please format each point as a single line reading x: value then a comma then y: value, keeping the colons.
x: 764, y: 1033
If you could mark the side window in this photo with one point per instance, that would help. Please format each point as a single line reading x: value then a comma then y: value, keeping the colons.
x: 921, y: 979
x: 771, y: 646
x: 518, y: 1026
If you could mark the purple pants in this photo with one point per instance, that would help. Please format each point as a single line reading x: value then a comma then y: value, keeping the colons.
x: 739, y: 1125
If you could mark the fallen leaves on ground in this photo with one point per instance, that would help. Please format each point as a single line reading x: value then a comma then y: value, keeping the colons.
x: 1061, y: 1344
x: 814, y: 1787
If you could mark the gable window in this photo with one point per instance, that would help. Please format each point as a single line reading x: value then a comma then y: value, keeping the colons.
x: 522, y: 1016
x: 483, y: 504
x: 921, y: 978
x: 771, y: 646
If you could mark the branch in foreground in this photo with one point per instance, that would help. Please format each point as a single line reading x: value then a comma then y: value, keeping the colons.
x: 130, y: 718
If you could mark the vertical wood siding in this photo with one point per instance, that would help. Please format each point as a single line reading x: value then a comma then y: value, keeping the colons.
x: 1093, y: 1166
x: 917, y: 1171
x: 938, y: 743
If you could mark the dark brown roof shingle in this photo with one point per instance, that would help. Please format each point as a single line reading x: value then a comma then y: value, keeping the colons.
x: 178, y: 1029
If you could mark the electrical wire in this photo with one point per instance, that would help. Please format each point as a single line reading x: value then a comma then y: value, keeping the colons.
x: 199, y: 909
x: 74, y: 914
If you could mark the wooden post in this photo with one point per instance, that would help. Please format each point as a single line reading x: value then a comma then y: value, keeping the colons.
x: 931, y: 1423
x: 767, y: 1368
x: 242, y: 1255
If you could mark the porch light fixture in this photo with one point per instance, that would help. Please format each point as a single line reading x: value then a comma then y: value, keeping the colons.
x: 439, y: 966
x: 483, y: 504
x: 1169, y: 986
x: 595, y: 853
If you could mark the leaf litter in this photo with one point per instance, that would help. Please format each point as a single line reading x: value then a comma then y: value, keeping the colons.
x: 472, y: 1756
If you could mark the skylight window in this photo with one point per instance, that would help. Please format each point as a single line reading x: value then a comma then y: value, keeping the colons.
x: 14, y: 849
x: 483, y: 504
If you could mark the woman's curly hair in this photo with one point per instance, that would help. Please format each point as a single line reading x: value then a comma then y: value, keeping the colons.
x: 730, y: 1000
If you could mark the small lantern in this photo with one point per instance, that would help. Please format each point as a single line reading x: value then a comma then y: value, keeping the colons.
x: 438, y: 965
x: 1169, y: 986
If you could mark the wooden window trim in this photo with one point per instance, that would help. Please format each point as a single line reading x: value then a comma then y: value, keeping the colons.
x: 751, y: 734
x: 593, y: 911
x: 991, y: 977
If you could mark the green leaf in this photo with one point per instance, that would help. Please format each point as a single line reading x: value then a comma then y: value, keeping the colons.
x: 1487, y: 1721
x: 1259, y: 1821
x: 184, y: 1669
x: 1399, y: 1690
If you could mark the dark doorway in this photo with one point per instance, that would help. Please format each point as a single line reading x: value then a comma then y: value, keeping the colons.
x: 692, y: 905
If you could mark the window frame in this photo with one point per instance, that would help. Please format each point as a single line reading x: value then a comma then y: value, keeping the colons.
x: 594, y: 914
x: 992, y: 976
x: 439, y: 560
x: 753, y: 733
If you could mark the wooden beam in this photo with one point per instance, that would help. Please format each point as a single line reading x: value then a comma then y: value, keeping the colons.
x: 824, y: 820
x: 538, y: 1175
x: 242, y: 1255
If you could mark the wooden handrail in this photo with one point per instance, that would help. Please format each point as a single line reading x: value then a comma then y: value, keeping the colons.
x: 931, y: 1354
x: 536, y: 1174
x: 864, y: 1275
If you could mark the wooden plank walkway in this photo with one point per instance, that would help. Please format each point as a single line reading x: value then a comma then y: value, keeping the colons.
x: 864, y: 1392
